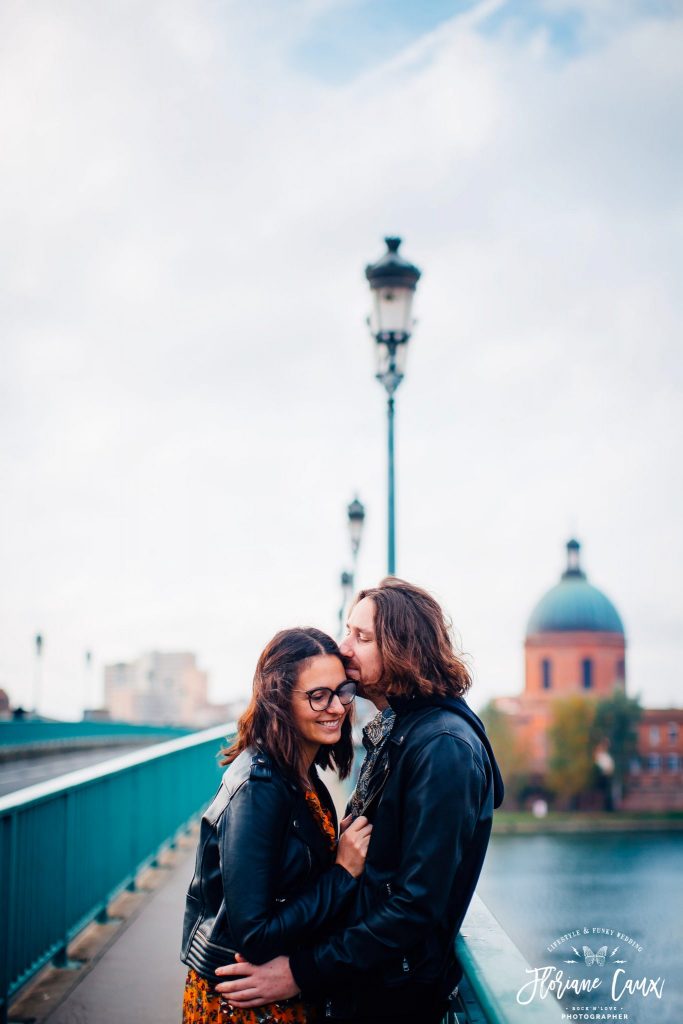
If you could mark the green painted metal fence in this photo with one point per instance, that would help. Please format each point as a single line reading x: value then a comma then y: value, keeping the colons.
x: 18, y: 734
x: 494, y: 970
x: 69, y: 845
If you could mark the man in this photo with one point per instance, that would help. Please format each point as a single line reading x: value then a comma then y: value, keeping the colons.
x: 430, y: 790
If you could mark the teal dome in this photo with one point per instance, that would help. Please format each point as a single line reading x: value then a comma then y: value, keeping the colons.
x: 574, y: 605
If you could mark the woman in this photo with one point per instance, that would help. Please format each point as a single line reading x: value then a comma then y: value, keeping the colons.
x: 269, y: 870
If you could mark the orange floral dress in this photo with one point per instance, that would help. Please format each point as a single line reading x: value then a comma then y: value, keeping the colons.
x: 203, y: 1005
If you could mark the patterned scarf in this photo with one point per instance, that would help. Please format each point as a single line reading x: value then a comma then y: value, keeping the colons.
x: 375, y: 736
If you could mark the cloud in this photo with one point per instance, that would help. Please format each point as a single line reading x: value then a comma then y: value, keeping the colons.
x: 186, y: 209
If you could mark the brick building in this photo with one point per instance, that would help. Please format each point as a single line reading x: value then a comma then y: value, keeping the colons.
x: 575, y: 644
x: 656, y: 777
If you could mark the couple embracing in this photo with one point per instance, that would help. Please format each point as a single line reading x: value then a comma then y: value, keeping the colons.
x: 287, y: 922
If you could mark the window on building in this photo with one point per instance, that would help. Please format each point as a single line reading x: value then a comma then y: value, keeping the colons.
x: 673, y: 732
x: 546, y: 674
x: 621, y: 670
x: 634, y: 766
x: 654, y: 763
x: 587, y: 673
x: 654, y: 735
x: 673, y: 763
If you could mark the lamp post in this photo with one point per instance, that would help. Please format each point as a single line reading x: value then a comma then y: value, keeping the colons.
x: 38, y: 675
x: 88, y: 695
x: 355, y: 512
x: 346, y: 580
x: 392, y: 282
x: 356, y: 515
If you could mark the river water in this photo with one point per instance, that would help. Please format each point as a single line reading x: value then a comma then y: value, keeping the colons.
x: 629, y: 887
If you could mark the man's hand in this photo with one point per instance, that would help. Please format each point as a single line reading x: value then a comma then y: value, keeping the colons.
x: 254, y: 985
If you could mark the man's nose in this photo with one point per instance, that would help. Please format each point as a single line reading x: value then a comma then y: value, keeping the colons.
x: 346, y: 647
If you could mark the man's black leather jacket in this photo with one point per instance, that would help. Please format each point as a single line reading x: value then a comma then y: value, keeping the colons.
x: 264, y: 874
x: 431, y: 828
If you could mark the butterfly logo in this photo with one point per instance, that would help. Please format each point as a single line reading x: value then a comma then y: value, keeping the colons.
x: 599, y: 958
x: 591, y: 958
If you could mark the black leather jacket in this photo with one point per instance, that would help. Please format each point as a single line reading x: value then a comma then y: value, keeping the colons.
x: 264, y: 874
x: 431, y: 828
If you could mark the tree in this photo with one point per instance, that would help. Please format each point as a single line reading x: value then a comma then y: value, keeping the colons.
x: 571, y: 762
x: 615, y: 730
x: 512, y: 757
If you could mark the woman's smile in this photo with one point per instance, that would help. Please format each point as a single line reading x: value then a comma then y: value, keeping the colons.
x: 332, y: 723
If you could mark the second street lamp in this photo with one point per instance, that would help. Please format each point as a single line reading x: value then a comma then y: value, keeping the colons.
x: 356, y: 515
x: 355, y: 512
x: 346, y: 581
x: 392, y: 282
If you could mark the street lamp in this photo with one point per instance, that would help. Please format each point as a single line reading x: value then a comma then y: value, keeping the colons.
x: 346, y: 581
x: 355, y: 512
x: 392, y: 282
x: 38, y: 675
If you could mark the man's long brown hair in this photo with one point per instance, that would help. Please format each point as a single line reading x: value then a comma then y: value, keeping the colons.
x: 415, y: 642
x: 268, y: 722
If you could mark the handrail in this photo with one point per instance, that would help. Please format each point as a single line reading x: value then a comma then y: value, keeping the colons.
x: 69, y: 845
x: 31, y: 794
x: 494, y: 970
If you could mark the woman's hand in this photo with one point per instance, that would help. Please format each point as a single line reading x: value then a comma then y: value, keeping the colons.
x: 353, y: 846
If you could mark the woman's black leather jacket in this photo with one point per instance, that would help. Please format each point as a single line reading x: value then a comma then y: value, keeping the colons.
x: 265, y: 876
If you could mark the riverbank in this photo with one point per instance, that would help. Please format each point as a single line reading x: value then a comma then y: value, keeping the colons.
x: 523, y: 823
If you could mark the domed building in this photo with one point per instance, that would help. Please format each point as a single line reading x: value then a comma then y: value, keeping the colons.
x: 575, y: 644
x: 575, y: 641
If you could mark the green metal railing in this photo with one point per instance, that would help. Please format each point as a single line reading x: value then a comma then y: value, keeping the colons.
x: 69, y: 845
x: 494, y: 970
x: 20, y: 734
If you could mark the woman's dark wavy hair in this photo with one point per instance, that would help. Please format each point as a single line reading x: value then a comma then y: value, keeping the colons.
x: 268, y: 722
x: 415, y: 642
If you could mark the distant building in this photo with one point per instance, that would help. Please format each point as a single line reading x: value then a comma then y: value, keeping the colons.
x: 5, y: 710
x: 576, y: 645
x: 162, y: 689
x: 656, y: 777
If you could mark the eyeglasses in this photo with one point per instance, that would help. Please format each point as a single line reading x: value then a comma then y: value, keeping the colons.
x: 321, y: 698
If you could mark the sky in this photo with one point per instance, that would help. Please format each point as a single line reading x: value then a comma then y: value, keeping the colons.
x: 189, y: 195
